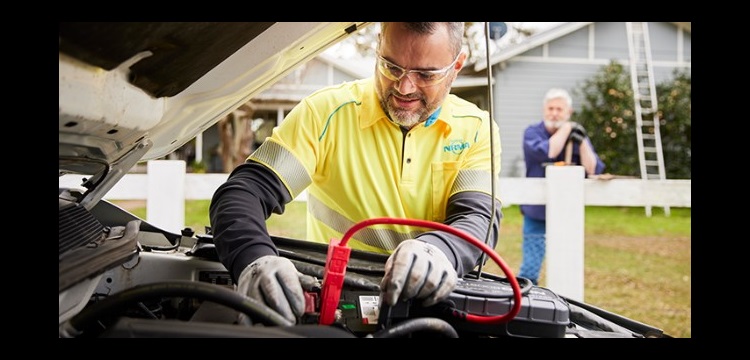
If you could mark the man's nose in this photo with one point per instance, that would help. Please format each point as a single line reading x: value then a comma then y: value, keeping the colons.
x: 406, y: 85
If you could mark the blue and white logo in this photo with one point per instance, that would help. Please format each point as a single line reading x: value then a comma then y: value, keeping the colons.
x: 456, y: 146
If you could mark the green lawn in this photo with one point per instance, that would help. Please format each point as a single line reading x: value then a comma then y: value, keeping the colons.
x: 636, y: 266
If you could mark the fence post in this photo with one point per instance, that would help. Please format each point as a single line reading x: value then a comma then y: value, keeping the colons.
x: 165, y: 205
x: 565, y: 233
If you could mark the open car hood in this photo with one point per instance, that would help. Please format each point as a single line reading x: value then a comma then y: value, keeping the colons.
x: 131, y: 92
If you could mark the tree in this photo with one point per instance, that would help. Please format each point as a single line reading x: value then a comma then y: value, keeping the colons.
x: 235, y: 137
x: 608, y: 116
x: 675, y: 111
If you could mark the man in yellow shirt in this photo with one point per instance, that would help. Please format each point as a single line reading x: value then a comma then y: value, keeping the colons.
x: 394, y: 145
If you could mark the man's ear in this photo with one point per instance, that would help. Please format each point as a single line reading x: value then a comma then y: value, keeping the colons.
x: 460, y: 63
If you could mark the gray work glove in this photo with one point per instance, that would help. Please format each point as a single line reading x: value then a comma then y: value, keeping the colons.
x: 577, y: 132
x: 275, y: 281
x: 418, y: 270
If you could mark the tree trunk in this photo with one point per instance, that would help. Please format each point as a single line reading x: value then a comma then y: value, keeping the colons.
x: 235, y: 137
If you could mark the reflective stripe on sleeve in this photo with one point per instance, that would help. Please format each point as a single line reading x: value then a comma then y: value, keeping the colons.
x: 290, y: 170
x: 386, y: 239
x: 472, y: 180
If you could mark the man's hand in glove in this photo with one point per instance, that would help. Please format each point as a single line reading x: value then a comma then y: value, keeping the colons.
x: 275, y: 281
x: 418, y: 270
x: 577, y: 132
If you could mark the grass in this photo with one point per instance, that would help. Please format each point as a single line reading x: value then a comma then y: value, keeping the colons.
x: 635, y: 266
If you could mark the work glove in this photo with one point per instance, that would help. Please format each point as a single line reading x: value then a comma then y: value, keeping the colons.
x: 275, y: 281
x: 577, y: 132
x: 418, y: 270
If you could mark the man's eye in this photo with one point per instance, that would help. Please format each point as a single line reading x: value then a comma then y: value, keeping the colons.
x: 395, y: 70
x: 427, y: 75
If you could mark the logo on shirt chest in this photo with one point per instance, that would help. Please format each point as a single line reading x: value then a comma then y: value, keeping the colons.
x: 456, y: 146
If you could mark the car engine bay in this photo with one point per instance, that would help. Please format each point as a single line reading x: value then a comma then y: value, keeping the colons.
x: 123, y: 277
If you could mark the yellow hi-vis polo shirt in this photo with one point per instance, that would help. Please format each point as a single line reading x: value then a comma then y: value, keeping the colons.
x: 356, y: 164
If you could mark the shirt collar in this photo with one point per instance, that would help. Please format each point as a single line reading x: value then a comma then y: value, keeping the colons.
x: 433, y: 117
x: 371, y: 106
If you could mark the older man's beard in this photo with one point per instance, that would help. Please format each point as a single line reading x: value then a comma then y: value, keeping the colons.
x: 555, y: 124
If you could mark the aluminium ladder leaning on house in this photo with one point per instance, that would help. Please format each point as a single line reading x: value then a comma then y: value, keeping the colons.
x: 650, y: 153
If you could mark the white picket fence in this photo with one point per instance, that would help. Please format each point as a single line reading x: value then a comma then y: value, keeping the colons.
x: 166, y: 186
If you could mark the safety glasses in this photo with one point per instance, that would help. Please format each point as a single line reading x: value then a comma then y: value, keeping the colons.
x: 422, y: 78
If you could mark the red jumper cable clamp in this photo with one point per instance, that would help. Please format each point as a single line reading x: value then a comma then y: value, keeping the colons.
x: 333, y: 280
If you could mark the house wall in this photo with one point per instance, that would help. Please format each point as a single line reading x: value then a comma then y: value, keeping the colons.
x: 566, y: 62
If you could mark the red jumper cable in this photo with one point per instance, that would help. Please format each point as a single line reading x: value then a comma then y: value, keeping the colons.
x: 338, y: 257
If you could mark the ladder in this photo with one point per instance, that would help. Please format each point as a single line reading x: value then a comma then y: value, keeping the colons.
x: 650, y: 153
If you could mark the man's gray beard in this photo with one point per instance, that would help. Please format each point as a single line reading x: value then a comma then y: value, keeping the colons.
x: 405, y: 118
x: 553, y: 124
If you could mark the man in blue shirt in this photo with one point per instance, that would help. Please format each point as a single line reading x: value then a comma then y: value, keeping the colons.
x: 547, y: 142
